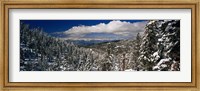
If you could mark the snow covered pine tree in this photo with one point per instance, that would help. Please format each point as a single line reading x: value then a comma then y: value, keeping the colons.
x: 160, y: 48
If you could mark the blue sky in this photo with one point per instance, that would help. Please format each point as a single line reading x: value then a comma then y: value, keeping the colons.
x: 89, y: 29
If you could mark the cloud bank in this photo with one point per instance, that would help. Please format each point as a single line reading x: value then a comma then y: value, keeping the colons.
x: 114, y: 30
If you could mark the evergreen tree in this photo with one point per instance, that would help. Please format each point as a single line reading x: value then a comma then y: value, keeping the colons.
x: 148, y: 46
x: 160, y: 48
x: 136, y: 53
x: 168, y: 46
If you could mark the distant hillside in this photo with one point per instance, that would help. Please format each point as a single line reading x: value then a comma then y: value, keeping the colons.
x: 89, y: 42
x: 117, y: 46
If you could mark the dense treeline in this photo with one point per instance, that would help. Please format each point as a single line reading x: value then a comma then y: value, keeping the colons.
x: 40, y: 52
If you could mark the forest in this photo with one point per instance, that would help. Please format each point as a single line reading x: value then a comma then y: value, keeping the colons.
x: 157, y: 49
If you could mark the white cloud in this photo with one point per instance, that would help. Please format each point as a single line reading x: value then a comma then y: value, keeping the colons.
x: 122, y: 29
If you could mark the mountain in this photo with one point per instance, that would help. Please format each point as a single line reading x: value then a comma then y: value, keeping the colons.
x: 89, y: 42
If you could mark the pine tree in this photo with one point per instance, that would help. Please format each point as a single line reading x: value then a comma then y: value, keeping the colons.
x: 160, y: 48
x: 136, y: 52
x: 168, y: 46
x: 148, y: 46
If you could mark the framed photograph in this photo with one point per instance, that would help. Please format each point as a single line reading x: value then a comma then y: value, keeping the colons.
x: 100, y: 45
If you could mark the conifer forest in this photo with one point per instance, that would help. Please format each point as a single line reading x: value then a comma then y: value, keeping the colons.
x: 153, y: 46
